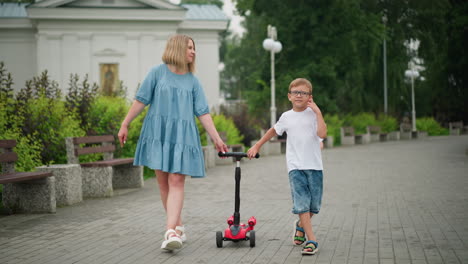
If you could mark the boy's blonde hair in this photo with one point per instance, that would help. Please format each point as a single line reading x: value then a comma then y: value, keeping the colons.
x: 301, y: 81
x: 175, y: 52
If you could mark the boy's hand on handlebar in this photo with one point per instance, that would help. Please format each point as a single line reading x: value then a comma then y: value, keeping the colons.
x: 252, y: 152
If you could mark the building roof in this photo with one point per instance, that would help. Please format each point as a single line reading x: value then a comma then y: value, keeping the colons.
x: 204, y: 12
x: 13, y: 10
x: 194, y: 12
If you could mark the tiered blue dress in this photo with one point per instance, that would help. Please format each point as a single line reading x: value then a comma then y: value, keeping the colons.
x: 169, y: 139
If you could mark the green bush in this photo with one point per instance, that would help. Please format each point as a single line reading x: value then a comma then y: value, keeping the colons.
x: 49, y: 124
x: 28, y: 150
x: 431, y: 126
x: 105, y: 116
x: 360, y: 122
x: 248, y: 126
x: 334, y: 123
x: 80, y: 98
x: 226, y: 125
x: 387, y: 123
x: 222, y: 124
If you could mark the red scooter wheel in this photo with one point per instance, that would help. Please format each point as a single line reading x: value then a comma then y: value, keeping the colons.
x: 219, y: 239
x: 252, y: 238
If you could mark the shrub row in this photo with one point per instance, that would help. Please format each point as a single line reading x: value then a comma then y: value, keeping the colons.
x: 40, y: 119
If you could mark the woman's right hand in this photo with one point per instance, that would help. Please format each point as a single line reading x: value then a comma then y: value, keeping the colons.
x: 221, y: 146
x: 123, y: 133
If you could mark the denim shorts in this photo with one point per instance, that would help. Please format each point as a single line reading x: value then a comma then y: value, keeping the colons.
x: 306, y: 190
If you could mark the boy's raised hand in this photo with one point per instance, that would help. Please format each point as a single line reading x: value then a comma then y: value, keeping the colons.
x: 313, y: 105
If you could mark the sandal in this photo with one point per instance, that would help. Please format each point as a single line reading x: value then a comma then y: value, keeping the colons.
x: 181, y: 229
x: 171, y: 240
x: 298, y: 240
x: 310, y: 248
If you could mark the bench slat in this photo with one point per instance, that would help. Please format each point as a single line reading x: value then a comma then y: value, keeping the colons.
x: 23, y: 176
x: 8, y: 143
x: 8, y: 157
x: 96, y: 149
x: 106, y: 163
x: 93, y: 139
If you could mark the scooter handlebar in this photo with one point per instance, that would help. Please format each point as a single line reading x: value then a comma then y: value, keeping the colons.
x: 235, y: 154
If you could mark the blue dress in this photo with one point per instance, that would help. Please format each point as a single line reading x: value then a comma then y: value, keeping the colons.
x: 169, y: 139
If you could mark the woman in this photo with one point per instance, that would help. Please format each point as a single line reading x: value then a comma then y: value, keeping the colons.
x: 169, y: 141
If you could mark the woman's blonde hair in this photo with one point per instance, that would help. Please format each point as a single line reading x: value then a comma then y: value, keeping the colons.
x: 301, y: 81
x: 175, y: 53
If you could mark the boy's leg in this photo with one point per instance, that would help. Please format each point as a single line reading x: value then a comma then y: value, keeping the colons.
x: 301, y: 201
x: 306, y: 223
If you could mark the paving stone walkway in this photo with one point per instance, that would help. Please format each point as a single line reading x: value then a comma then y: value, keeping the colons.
x: 392, y: 202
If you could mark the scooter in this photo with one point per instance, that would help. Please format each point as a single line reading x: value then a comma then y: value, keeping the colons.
x: 237, y: 231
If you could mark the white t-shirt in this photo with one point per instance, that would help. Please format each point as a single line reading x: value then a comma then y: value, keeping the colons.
x: 302, y: 145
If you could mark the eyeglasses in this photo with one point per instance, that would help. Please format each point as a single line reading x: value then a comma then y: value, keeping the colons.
x: 299, y: 93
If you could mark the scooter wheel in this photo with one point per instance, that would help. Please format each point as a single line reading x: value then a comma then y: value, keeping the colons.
x: 219, y: 239
x: 252, y: 238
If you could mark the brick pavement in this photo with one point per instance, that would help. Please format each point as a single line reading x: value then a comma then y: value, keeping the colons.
x: 392, y: 202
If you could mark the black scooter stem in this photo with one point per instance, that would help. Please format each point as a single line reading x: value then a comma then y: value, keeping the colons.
x: 238, y: 156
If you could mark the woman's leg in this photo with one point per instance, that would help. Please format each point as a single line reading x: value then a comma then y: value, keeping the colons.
x: 171, y: 189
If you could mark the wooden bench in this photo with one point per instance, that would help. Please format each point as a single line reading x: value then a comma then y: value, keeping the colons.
x: 24, y: 192
x: 456, y: 128
x: 376, y: 134
x: 100, y: 178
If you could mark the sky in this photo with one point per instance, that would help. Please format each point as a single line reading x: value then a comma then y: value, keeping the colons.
x: 235, y: 25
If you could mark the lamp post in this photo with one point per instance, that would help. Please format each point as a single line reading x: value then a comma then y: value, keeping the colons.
x: 384, y: 20
x: 412, y: 73
x: 274, y: 46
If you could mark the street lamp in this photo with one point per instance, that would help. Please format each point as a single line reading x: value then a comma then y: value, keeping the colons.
x: 412, y: 73
x: 384, y: 20
x: 274, y: 46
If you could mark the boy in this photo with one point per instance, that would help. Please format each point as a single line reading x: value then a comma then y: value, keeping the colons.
x: 306, y: 129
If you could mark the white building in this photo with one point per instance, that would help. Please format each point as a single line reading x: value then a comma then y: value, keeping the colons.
x: 110, y: 40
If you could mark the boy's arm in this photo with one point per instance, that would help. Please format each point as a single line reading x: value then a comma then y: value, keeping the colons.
x: 256, y: 148
x: 321, y: 126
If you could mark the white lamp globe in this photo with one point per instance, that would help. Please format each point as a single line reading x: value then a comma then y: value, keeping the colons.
x: 411, y: 73
x: 268, y: 44
x: 277, y: 47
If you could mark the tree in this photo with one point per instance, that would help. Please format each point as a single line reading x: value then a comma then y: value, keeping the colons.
x: 337, y: 44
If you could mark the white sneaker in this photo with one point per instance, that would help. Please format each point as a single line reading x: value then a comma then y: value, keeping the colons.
x: 171, y: 240
x: 181, y: 229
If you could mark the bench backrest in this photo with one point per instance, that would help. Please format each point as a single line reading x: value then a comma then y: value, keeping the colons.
x: 454, y: 125
x: 347, y: 131
x: 81, y: 146
x: 374, y: 129
x: 405, y: 127
x: 7, y: 156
